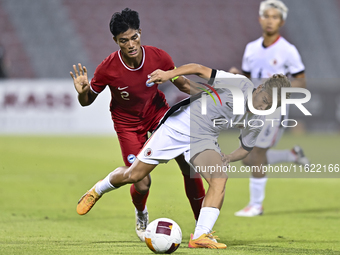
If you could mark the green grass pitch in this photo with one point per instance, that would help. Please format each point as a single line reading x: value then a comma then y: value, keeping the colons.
x: 42, y: 178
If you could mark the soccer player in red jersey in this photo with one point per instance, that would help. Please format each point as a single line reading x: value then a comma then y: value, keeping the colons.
x: 136, y: 106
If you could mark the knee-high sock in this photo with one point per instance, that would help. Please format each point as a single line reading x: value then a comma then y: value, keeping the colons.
x: 138, y: 199
x: 278, y: 156
x: 104, y: 185
x: 257, y: 187
x: 206, y: 221
x: 195, y: 192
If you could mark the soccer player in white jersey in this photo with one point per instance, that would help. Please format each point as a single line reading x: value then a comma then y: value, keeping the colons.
x: 270, y: 54
x: 184, y: 130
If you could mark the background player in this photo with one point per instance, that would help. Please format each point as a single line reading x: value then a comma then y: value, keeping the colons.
x: 184, y: 130
x: 270, y: 54
x: 136, y: 107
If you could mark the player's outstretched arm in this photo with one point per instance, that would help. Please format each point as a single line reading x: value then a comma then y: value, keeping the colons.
x: 187, y: 86
x: 236, y: 155
x: 160, y: 76
x: 234, y: 70
x: 82, y: 85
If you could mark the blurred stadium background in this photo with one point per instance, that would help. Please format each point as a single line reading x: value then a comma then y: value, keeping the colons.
x: 42, y: 177
x: 41, y: 40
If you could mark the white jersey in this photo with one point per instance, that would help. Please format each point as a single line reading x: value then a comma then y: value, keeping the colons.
x: 262, y: 62
x: 190, y: 120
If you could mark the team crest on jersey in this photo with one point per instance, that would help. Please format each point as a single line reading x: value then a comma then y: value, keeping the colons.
x: 273, y: 62
x: 148, y: 152
x: 150, y: 84
x: 131, y: 158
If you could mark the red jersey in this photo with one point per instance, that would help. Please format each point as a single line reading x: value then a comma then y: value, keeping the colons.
x: 132, y: 100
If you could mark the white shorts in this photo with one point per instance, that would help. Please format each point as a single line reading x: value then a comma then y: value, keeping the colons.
x: 166, y: 143
x: 271, y: 132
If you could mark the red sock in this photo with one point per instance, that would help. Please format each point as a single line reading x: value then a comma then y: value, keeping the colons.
x: 195, y: 192
x: 138, y: 199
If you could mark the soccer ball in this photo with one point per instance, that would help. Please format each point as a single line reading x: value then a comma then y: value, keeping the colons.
x: 163, y: 236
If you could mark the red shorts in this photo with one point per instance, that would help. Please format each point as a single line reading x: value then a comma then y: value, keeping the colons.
x: 132, y: 138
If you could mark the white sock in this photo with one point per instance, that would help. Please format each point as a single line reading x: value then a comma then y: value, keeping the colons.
x: 104, y: 186
x: 278, y: 156
x: 142, y: 212
x: 257, y: 187
x: 206, y: 221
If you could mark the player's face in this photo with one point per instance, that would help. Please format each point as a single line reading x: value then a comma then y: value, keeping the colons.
x: 261, y: 100
x: 129, y: 43
x: 271, y: 21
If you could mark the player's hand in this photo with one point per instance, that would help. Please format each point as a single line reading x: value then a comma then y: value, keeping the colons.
x: 225, y: 159
x: 80, y: 80
x: 234, y: 70
x: 159, y: 76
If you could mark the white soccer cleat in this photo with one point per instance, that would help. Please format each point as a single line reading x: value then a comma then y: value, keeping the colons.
x: 301, y: 159
x: 142, y: 221
x: 250, y: 211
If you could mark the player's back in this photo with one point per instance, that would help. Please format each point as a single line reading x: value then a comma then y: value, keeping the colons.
x: 229, y: 88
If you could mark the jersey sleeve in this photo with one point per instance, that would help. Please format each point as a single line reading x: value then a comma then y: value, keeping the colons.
x: 294, y: 62
x: 219, y: 78
x: 98, y: 82
x: 245, y: 61
x: 166, y: 60
x: 224, y: 75
x: 249, y: 135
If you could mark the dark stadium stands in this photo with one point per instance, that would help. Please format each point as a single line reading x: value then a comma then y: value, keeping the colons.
x: 17, y: 63
x: 44, y: 38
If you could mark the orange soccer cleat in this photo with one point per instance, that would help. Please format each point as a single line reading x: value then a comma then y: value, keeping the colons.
x: 87, y: 201
x: 206, y: 241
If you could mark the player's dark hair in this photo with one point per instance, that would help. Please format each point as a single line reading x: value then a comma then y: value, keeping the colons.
x: 122, y: 21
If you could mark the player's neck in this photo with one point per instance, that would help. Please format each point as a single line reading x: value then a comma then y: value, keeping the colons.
x: 270, y: 39
x: 133, y: 62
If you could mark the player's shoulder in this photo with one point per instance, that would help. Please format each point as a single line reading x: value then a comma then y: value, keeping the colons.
x: 255, y: 43
x: 288, y: 47
x: 237, y: 80
x: 283, y: 41
x: 154, y: 50
x: 109, y: 60
x: 253, y: 46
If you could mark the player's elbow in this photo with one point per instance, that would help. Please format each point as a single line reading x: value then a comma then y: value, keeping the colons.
x: 247, y: 161
x: 199, y: 69
x: 185, y: 85
x: 202, y: 71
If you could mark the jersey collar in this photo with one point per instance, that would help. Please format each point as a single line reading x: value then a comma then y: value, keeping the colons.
x: 132, y: 69
x: 265, y: 47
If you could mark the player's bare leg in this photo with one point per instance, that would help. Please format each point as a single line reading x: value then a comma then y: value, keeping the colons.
x: 203, y: 238
x: 257, y: 183
x: 133, y: 174
x: 119, y: 177
x: 139, y: 193
x: 295, y: 155
x: 193, y: 183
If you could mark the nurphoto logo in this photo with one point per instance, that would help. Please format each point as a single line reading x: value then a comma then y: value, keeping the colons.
x: 239, y: 102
